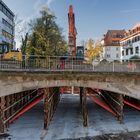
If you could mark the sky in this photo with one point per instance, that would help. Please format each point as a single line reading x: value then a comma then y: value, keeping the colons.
x: 93, y: 17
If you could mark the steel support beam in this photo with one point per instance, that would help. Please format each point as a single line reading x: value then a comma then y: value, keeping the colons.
x: 96, y: 98
x: 115, y: 101
x: 83, y: 104
x: 134, y: 103
x: 13, y: 105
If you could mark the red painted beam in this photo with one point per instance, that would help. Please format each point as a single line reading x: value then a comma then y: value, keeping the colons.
x: 132, y: 105
x: 28, y: 107
x: 99, y: 101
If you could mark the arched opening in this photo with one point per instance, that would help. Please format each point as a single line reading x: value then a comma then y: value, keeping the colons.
x: 99, y: 102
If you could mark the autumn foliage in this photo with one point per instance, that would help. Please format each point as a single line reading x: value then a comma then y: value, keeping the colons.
x: 93, y: 50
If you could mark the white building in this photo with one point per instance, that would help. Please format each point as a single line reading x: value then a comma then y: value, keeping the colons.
x: 112, y: 48
x: 7, y: 28
x: 131, y: 43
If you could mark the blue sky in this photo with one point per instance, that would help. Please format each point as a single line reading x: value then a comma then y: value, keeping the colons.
x: 93, y: 17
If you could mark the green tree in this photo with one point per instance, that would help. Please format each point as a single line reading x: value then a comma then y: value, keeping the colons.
x: 46, y: 36
x: 24, y: 44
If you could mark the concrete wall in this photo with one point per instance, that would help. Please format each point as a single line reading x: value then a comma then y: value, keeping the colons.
x: 13, y: 82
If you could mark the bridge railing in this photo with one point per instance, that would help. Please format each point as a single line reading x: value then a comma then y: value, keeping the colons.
x: 61, y: 63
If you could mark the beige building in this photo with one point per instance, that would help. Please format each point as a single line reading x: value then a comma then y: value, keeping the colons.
x: 131, y: 43
x: 112, y: 47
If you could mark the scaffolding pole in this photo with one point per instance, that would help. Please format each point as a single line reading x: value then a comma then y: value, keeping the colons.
x: 115, y: 101
x: 51, y: 99
x: 83, y: 104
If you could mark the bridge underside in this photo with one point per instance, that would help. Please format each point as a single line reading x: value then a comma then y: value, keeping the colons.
x: 15, y: 82
x: 21, y: 91
x: 15, y: 105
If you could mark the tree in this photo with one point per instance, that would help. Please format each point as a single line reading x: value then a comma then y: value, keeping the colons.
x: 98, y: 49
x: 46, y: 36
x: 94, y: 50
x: 90, y: 50
x: 21, y: 29
x: 24, y: 44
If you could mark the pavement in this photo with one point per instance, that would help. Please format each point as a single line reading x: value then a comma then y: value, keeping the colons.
x: 67, y: 122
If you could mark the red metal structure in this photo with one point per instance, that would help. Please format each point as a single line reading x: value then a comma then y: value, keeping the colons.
x: 72, y: 32
x: 99, y: 101
x: 96, y: 98
x: 28, y: 107
x: 134, y: 103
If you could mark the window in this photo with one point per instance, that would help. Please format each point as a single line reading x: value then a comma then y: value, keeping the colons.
x: 6, y: 12
x: 129, y: 42
x: 117, y: 49
x: 118, y: 36
x: 125, y: 43
x: 7, y: 35
x: 127, y: 51
x: 117, y: 55
x: 131, y: 51
x: 137, y: 50
x: 122, y: 53
x: 108, y: 55
x: 7, y: 24
x: 108, y: 48
x: 138, y: 38
x: 0, y: 6
x: 133, y: 40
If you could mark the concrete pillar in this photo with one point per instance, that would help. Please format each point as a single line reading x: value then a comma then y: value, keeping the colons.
x: 83, y: 103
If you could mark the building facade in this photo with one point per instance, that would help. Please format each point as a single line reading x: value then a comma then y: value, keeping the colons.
x: 7, y: 28
x: 111, y: 43
x: 131, y: 43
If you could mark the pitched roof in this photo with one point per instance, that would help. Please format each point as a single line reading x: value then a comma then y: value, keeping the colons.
x: 117, y: 31
x: 136, y: 26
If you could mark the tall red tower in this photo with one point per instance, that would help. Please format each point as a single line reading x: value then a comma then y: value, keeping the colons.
x: 72, y: 32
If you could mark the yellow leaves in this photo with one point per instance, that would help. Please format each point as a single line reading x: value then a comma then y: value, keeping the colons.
x: 93, y: 50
